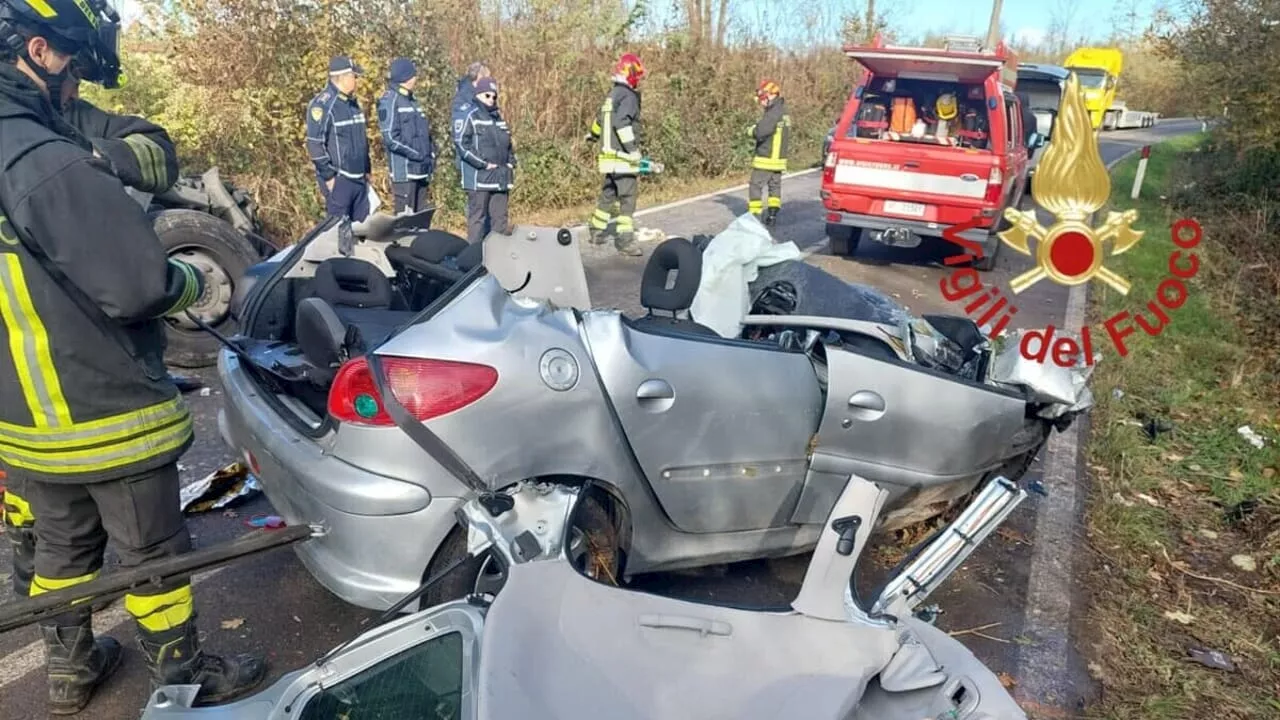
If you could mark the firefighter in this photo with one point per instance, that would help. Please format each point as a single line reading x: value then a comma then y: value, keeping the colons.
x: 338, y: 144
x: 406, y: 134
x: 91, y: 426
x: 489, y: 163
x: 144, y: 158
x: 617, y: 126
x: 772, y: 135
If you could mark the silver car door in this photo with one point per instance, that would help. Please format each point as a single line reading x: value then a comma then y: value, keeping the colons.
x: 901, y: 424
x: 720, y: 427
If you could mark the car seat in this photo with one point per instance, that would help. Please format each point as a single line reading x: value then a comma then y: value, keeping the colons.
x: 348, y: 314
x: 683, y: 256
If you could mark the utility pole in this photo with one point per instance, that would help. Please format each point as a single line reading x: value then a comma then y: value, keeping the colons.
x: 871, y: 19
x: 993, y: 30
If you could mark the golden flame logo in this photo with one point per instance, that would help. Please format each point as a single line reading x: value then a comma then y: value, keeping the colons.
x: 1072, y: 183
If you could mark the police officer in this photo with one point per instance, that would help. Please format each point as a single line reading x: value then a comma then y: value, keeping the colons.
x: 617, y: 127
x: 464, y: 99
x: 406, y: 134
x: 488, y: 163
x: 338, y: 144
x: 91, y: 426
x: 143, y: 157
x: 772, y: 136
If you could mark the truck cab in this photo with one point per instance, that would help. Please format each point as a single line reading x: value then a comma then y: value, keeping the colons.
x: 1098, y: 70
x: 904, y: 166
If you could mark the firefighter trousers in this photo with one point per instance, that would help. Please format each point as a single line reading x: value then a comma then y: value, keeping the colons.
x: 618, y: 203
x: 760, y: 181
x: 142, y: 518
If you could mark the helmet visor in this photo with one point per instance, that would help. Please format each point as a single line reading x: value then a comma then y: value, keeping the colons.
x: 99, y: 60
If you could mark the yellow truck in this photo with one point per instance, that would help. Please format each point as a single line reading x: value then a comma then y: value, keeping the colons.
x: 1098, y: 69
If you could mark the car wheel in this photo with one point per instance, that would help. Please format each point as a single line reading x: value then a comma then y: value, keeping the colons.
x: 844, y: 239
x: 487, y: 578
x: 222, y: 256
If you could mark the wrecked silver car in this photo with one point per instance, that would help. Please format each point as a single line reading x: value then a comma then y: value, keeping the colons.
x: 375, y: 391
x: 556, y: 645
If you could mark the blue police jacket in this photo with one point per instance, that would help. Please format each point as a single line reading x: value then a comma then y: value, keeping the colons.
x: 336, y: 136
x: 485, y: 139
x: 406, y: 134
x: 463, y: 100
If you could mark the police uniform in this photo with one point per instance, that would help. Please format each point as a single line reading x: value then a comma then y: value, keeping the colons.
x: 618, y: 127
x: 464, y: 101
x: 142, y: 156
x: 485, y: 140
x: 772, y: 138
x: 406, y: 135
x: 91, y: 425
x: 339, y: 147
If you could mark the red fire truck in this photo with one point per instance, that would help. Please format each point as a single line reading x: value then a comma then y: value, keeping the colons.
x: 931, y: 138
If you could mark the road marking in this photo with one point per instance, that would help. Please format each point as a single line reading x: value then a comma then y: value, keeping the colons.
x: 19, y: 663
x: 1045, y: 668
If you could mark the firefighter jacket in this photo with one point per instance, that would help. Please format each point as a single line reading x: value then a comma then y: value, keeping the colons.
x: 618, y: 127
x: 336, y: 136
x: 406, y: 134
x: 140, y: 152
x: 485, y: 139
x: 84, y: 285
x: 773, y: 136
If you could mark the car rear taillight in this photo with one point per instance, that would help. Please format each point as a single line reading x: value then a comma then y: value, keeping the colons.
x: 426, y: 388
x: 995, y: 185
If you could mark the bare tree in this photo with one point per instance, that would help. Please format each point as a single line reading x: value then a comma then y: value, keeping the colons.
x: 708, y: 20
x: 1060, y: 20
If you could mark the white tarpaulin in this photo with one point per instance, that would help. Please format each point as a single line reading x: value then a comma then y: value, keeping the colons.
x: 732, y: 259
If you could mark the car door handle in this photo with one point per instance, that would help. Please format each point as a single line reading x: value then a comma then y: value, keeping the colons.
x: 911, y: 164
x: 655, y: 390
x: 702, y: 626
x: 867, y: 400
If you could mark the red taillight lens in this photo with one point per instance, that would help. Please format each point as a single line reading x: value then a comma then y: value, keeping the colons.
x: 426, y: 388
x: 995, y: 186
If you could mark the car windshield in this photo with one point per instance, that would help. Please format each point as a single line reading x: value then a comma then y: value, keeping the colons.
x: 1091, y: 79
x: 422, y: 682
x: 1040, y: 94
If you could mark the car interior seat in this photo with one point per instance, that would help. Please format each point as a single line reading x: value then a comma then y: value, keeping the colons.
x: 348, y: 314
x: 683, y: 257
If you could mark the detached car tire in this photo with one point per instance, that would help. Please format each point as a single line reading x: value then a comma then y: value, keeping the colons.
x: 222, y: 254
x: 844, y: 239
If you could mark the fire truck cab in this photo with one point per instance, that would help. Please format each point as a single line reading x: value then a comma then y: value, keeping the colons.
x: 931, y: 138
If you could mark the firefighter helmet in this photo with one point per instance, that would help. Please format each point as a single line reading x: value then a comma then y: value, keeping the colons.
x: 630, y: 67
x: 86, y: 28
x: 767, y: 88
x: 946, y: 106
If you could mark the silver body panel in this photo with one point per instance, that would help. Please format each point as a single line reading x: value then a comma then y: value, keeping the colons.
x: 721, y: 450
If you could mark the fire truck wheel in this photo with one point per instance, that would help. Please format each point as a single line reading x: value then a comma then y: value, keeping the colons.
x: 844, y: 239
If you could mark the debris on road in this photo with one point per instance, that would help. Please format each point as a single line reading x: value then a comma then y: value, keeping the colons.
x: 186, y: 383
x: 232, y: 624
x: 1244, y: 562
x: 1252, y: 437
x: 219, y: 489
x: 1212, y: 659
x: 1179, y: 616
x: 268, y: 522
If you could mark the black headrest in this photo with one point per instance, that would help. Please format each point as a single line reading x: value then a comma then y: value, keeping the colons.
x: 675, y: 254
x: 353, y: 283
x: 471, y: 256
x: 436, y: 245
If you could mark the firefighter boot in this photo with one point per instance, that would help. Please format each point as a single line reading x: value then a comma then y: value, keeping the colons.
x: 175, y: 658
x: 626, y: 245
x: 599, y: 236
x: 771, y: 217
x: 77, y: 662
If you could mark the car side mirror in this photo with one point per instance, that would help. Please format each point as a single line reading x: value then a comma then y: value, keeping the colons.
x: 1035, y: 141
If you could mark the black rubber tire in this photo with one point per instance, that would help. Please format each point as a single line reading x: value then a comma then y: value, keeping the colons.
x: 844, y: 239
x: 179, y: 229
x: 457, y: 584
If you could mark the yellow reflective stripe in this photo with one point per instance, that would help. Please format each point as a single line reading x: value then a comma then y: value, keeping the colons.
x: 189, y: 287
x: 29, y: 345
x: 161, y: 612
x: 775, y: 151
x: 760, y: 163
x: 95, y: 432
x: 606, y: 124
x: 600, y: 219
x: 17, y: 512
x: 624, y: 223
x: 595, y: 128
x: 42, y: 7
x: 754, y: 207
x: 41, y: 585
x: 775, y: 202
x: 106, y: 457
x: 151, y: 162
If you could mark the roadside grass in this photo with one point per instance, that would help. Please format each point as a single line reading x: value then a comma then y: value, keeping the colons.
x: 1184, y: 529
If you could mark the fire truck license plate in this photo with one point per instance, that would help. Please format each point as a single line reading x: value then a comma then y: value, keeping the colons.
x: 904, y: 208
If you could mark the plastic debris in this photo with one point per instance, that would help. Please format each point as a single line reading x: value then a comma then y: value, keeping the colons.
x: 1038, y: 488
x: 1252, y: 437
x: 1117, y: 393
x: 266, y: 522
x: 186, y: 383
x: 1212, y: 659
x: 219, y: 489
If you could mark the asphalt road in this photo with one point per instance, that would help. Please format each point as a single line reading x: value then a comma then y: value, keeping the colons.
x: 270, y: 604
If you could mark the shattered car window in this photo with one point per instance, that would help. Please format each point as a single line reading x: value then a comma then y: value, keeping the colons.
x: 422, y: 683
